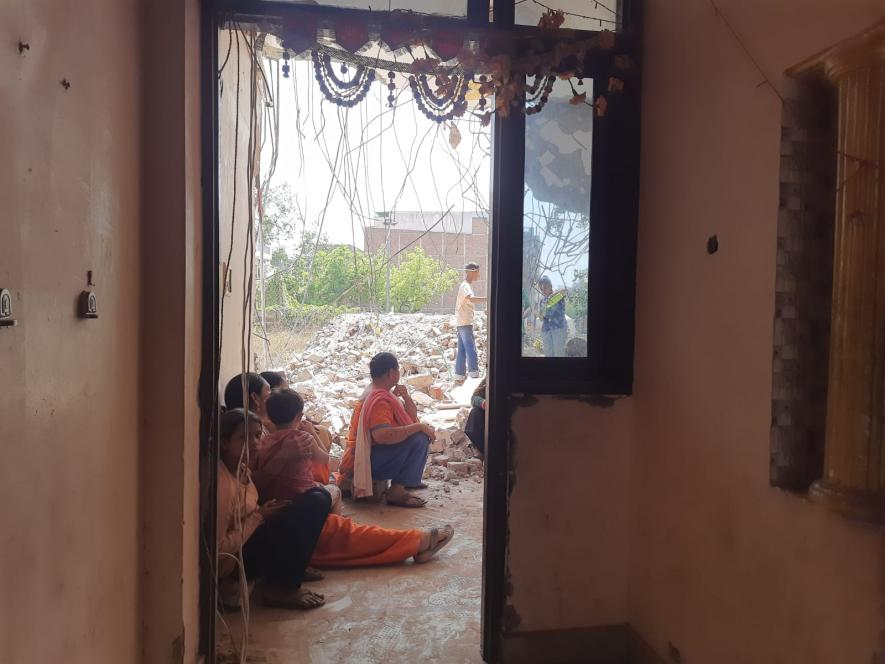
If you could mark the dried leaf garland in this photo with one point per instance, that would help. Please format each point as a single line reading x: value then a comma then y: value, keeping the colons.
x: 454, y: 136
x: 551, y: 19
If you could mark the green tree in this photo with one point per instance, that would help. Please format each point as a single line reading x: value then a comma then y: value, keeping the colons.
x: 340, y: 276
x: 417, y: 280
x: 281, y: 219
x: 576, y: 304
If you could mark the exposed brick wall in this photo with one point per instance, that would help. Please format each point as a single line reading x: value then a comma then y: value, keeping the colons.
x: 803, y: 289
x: 455, y: 249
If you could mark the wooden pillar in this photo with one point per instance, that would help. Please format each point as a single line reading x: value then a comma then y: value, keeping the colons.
x: 854, y: 464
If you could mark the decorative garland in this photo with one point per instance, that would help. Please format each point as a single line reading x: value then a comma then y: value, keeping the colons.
x: 490, y: 67
x: 343, y: 92
x: 447, y: 102
x: 537, y: 94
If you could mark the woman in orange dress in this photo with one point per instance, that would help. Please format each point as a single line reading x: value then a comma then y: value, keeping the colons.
x: 282, y: 471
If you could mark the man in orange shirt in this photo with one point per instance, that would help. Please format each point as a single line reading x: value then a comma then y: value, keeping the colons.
x: 399, y: 442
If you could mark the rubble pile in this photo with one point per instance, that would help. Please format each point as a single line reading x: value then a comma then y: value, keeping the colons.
x: 333, y: 371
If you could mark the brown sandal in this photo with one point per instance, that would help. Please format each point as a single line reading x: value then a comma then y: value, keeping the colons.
x: 407, y: 500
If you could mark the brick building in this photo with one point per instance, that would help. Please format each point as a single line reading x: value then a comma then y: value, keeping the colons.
x: 457, y: 239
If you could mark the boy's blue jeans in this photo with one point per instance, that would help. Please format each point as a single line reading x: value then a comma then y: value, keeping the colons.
x: 466, y: 350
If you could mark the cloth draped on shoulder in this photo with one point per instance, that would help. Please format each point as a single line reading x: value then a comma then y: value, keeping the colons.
x: 362, y: 466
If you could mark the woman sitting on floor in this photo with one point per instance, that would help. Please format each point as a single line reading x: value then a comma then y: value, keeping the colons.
x: 276, y: 538
x: 259, y: 389
x: 276, y: 379
x: 282, y: 472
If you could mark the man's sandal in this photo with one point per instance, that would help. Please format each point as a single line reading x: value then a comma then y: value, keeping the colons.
x: 407, y: 500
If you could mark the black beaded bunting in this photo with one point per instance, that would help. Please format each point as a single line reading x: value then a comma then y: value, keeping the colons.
x: 537, y: 94
x: 440, y: 108
x: 340, y: 91
x: 391, y: 86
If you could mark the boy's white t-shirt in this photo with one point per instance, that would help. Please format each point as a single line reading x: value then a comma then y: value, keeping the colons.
x: 464, y: 306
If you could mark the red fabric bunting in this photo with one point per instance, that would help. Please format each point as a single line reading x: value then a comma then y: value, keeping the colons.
x: 351, y: 35
x: 396, y: 36
x: 299, y: 34
x: 447, y: 44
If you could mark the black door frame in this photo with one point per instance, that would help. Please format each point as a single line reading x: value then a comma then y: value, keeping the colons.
x: 505, y: 245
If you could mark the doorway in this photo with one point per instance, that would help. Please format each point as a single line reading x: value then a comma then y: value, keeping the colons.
x: 516, y: 363
x: 344, y: 232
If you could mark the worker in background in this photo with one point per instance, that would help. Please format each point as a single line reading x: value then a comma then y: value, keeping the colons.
x: 466, y: 359
x: 551, y: 311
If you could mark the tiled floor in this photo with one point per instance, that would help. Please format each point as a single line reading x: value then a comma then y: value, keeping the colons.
x: 400, y: 613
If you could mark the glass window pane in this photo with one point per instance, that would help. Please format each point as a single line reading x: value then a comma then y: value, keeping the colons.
x: 579, y: 14
x: 556, y: 226
x: 440, y: 7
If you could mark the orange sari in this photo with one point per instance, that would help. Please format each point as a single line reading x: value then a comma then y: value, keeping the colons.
x: 344, y: 543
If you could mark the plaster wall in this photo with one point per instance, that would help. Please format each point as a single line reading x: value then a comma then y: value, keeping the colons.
x: 170, y: 330
x: 233, y: 216
x: 69, y: 412
x: 569, y: 515
x: 712, y: 559
x: 722, y: 565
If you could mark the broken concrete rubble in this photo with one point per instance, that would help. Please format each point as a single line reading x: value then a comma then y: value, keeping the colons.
x: 332, y: 373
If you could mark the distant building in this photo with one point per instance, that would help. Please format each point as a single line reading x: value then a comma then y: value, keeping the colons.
x: 456, y: 239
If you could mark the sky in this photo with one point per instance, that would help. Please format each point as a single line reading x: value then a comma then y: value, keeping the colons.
x: 347, y: 164
x: 385, y: 159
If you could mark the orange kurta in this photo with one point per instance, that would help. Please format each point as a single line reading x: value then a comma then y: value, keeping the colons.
x: 381, y: 416
x: 344, y: 543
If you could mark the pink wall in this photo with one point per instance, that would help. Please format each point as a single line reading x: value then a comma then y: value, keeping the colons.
x: 99, y: 417
x: 569, y: 514
x: 658, y: 511
x: 170, y: 326
x: 722, y: 565
x: 233, y: 160
x: 69, y: 484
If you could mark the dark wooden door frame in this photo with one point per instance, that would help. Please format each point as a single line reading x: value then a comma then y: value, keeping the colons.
x: 210, y: 353
x: 505, y: 245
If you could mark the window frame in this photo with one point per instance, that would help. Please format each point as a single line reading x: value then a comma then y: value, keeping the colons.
x: 614, y: 213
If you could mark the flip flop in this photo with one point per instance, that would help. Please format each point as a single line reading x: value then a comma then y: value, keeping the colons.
x: 407, y: 500
x: 439, y: 537
x: 417, y: 487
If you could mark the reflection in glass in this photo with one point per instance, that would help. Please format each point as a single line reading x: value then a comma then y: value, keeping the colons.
x: 556, y: 226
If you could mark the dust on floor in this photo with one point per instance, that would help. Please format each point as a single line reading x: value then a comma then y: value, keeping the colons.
x: 395, y: 614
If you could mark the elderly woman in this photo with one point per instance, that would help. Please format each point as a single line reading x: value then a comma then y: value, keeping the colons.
x: 276, y: 539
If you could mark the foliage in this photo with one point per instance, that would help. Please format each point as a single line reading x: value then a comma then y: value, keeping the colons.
x: 348, y: 277
x: 281, y: 218
x: 576, y: 303
x: 341, y: 275
x: 309, y: 315
x: 319, y: 274
x: 417, y: 280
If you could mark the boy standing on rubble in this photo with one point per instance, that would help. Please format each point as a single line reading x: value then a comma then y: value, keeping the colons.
x: 464, y: 310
